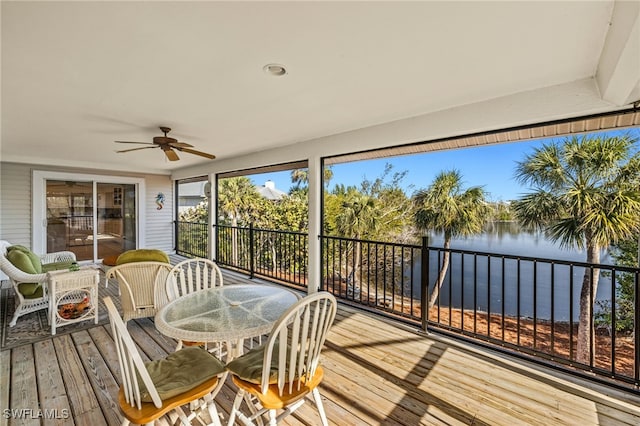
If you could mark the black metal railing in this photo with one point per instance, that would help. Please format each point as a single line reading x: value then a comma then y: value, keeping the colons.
x: 277, y: 255
x: 523, y: 305
x: 529, y: 306
x: 192, y: 239
x: 374, y: 274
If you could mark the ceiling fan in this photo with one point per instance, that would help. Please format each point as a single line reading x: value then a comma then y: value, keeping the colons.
x: 167, y: 144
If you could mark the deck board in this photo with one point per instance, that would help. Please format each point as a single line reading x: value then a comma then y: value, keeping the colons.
x: 102, y: 381
x: 51, y: 391
x: 24, y: 388
x: 376, y: 373
x: 5, y: 380
x: 82, y: 396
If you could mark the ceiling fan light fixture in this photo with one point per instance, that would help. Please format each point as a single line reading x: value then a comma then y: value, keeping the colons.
x: 275, y: 70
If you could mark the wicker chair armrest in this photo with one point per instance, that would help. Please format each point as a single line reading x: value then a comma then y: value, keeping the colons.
x: 19, y: 276
x: 59, y: 256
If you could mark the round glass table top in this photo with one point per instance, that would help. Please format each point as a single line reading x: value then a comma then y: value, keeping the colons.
x: 231, y: 312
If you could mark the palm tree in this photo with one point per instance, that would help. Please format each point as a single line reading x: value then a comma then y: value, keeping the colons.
x: 448, y: 208
x: 237, y: 198
x: 300, y: 177
x: 357, y: 219
x: 585, y: 194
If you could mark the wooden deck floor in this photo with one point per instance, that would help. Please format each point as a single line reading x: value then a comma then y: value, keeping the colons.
x: 377, y: 373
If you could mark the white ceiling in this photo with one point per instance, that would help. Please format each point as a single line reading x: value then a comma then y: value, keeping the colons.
x: 78, y: 75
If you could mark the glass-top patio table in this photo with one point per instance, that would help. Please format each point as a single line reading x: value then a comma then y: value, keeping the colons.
x: 230, y: 313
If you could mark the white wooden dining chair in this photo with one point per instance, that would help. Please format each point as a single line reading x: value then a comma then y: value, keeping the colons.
x: 187, y: 277
x: 150, y: 390
x: 281, y: 373
x: 192, y: 275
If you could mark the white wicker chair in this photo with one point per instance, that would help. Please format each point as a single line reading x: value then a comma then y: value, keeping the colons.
x: 135, y: 377
x: 283, y: 378
x: 139, y: 283
x: 188, y: 276
x: 16, y: 276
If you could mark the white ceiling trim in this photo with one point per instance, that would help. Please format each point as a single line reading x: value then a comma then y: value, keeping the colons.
x: 618, y: 74
x: 556, y: 129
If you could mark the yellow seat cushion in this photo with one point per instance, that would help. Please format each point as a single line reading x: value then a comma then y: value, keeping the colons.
x: 142, y: 255
x: 272, y: 400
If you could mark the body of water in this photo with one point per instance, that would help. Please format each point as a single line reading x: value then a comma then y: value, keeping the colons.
x: 525, y: 288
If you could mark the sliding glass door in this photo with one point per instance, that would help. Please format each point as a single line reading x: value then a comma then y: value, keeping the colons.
x: 70, y: 217
x: 116, y: 231
x: 93, y: 216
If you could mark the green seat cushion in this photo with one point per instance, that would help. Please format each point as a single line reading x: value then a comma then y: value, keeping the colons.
x: 180, y: 372
x: 56, y: 266
x: 24, y: 259
x: 31, y: 290
x: 142, y: 255
x: 248, y: 367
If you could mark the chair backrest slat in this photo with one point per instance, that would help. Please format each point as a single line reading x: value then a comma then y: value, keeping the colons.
x: 299, y: 334
x: 131, y: 364
x: 192, y: 275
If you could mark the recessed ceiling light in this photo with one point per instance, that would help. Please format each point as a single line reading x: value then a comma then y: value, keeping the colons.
x: 275, y: 70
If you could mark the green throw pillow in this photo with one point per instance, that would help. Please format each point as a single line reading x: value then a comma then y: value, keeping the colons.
x: 24, y: 259
x: 29, y: 262
x: 180, y: 372
x: 142, y: 255
x: 249, y: 366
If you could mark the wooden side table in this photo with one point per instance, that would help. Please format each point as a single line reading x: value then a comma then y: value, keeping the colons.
x: 73, y: 297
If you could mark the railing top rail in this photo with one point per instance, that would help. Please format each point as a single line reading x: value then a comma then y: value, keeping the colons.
x: 459, y: 251
x: 496, y: 255
x: 332, y: 237
x: 278, y: 231
x: 247, y: 228
x: 540, y: 259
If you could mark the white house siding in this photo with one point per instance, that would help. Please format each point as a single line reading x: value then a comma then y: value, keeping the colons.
x: 16, y: 214
x: 15, y: 203
x: 159, y: 223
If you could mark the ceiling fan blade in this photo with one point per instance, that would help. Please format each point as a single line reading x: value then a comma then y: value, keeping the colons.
x: 136, y: 149
x: 200, y: 153
x: 142, y: 143
x: 171, y: 155
x: 180, y: 145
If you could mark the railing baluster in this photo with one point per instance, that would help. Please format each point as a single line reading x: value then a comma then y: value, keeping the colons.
x: 519, y: 299
x: 488, y: 296
x: 502, y: 307
x: 571, y: 344
x: 613, y: 323
x: 553, y: 305
x: 535, y: 304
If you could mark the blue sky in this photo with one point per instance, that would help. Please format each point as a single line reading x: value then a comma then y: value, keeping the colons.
x: 490, y: 166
